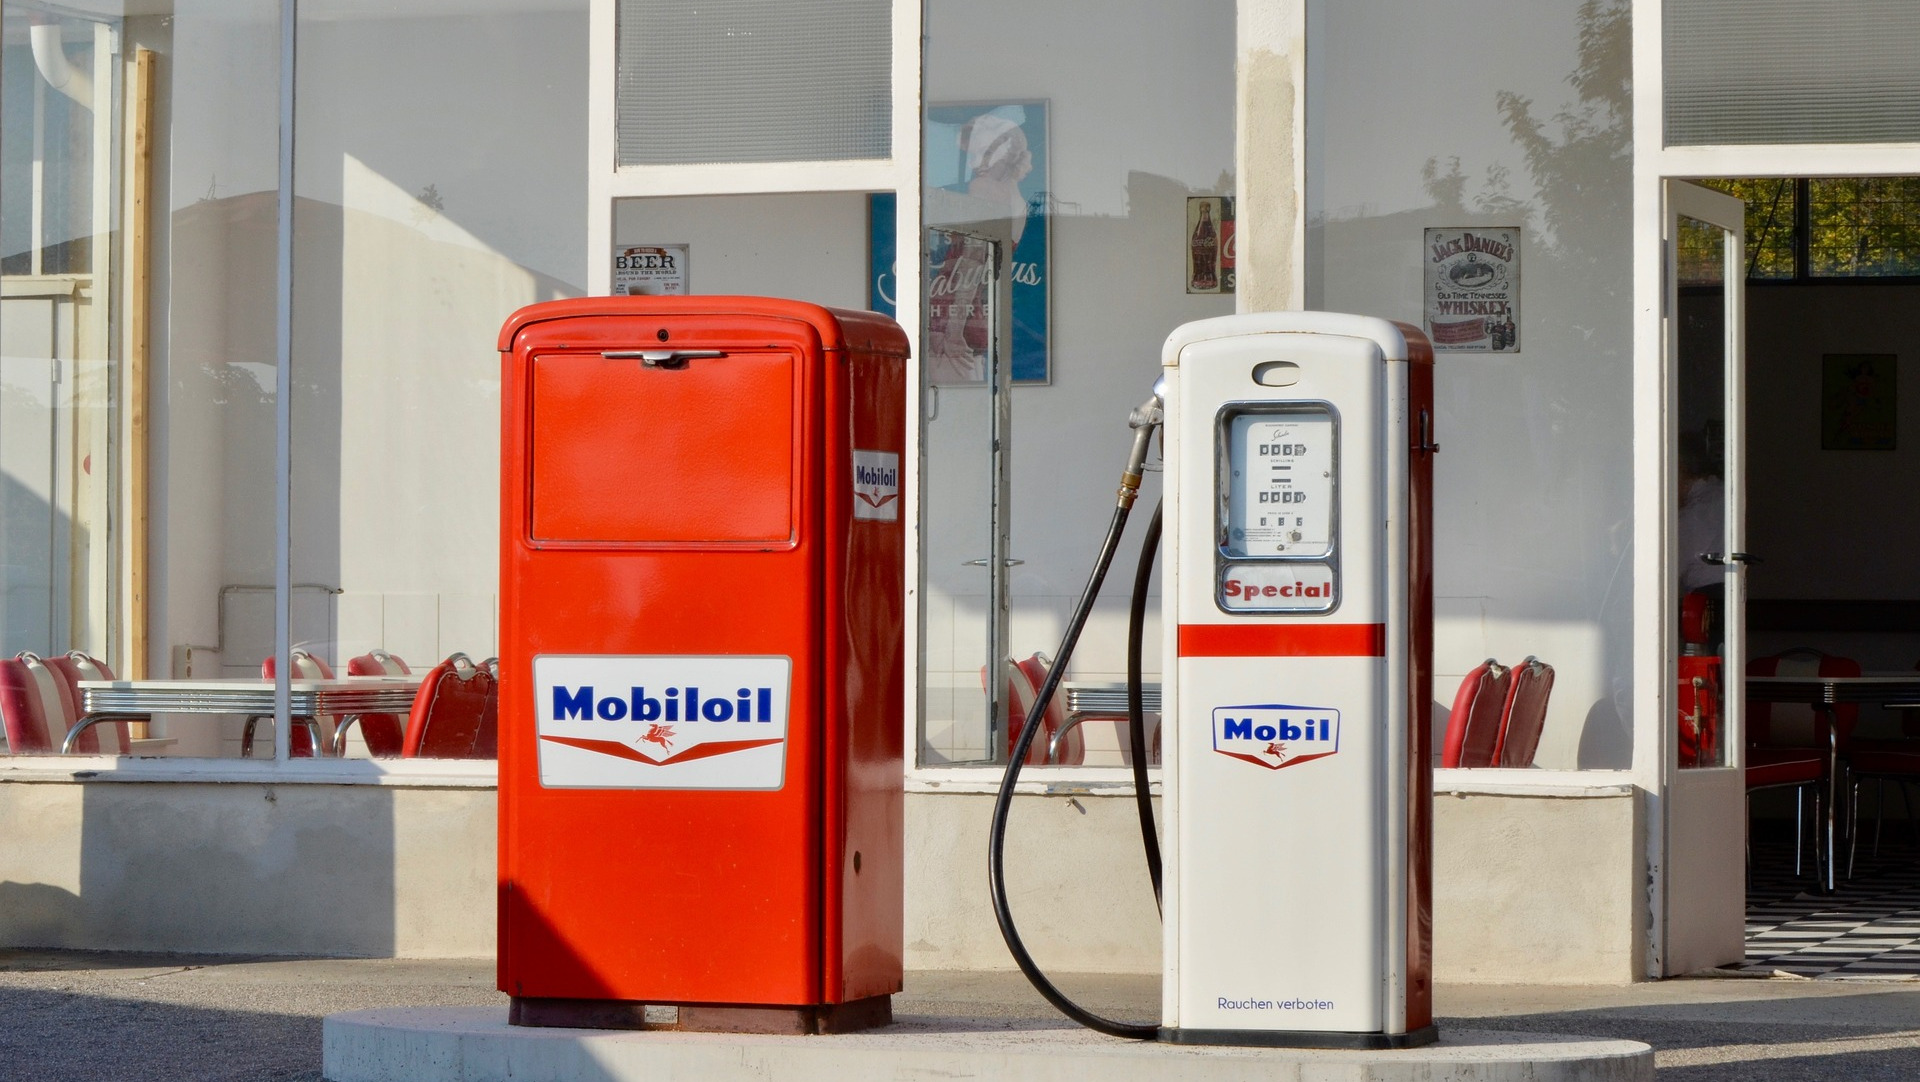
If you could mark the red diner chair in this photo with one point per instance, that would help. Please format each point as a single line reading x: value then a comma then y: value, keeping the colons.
x: 1056, y: 744
x: 1473, y: 725
x: 455, y: 713
x: 1790, y: 746
x: 23, y: 709
x: 384, y: 734
x: 102, y: 738
x: 40, y: 702
x: 1524, y: 715
x: 308, y: 733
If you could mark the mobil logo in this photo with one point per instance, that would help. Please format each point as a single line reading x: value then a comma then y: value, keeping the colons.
x: 876, y: 486
x: 1276, y: 735
x: 661, y: 721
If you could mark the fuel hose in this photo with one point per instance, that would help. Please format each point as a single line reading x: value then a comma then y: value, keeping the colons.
x: 1145, y: 421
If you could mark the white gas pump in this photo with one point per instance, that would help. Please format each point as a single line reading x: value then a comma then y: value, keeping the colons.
x: 1297, y: 647
x: 1298, y: 640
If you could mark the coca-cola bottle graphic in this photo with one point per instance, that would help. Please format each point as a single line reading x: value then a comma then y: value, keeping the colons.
x: 1206, y: 254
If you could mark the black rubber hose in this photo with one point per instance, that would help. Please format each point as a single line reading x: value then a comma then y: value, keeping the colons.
x: 1136, y: 709
x: 1003, y: 803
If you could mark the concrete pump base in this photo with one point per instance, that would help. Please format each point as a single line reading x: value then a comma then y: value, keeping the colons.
x: 475, y: 1044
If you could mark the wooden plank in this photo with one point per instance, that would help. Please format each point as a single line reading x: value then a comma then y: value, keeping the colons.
x: 136, y: 386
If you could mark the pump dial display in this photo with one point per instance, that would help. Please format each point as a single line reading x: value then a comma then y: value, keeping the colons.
x: 1279, y: 485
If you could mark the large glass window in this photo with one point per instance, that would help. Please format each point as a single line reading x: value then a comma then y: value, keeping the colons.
x: 440, y: 186
x: 1533, y: 499
x: 1070, y: 163
x: 140, y: 189
x: 60, y: 364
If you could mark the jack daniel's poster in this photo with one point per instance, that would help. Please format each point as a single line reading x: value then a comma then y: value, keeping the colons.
x: 1473, y: 289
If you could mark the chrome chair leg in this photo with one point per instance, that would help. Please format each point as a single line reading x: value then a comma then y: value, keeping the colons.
x: 1799, y: 823
x: 1879, y: 812
x: 1853, y: 825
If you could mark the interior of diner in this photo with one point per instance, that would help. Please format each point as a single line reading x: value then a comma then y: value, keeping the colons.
x: 1832, y: 277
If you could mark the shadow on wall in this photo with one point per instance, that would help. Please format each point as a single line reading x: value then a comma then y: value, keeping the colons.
x: 1534, y: 509
x: 39, y: 914
x: 228, y: 869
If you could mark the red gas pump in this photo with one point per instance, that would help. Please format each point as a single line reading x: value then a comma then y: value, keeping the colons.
x: 702, y: 611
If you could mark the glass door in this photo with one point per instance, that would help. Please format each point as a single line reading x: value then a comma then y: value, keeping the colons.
x: 966, y: 496
x: 1704, y: 778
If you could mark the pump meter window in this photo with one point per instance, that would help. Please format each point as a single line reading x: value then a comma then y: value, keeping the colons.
x: 1278, y: 508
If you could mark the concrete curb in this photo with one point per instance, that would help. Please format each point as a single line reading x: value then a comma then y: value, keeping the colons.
x: 474, y: 1044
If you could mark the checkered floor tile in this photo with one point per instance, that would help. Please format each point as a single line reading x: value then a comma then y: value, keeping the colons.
x: 1867, y: 929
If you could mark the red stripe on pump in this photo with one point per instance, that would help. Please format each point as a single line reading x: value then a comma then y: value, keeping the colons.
x: 1283, y: 640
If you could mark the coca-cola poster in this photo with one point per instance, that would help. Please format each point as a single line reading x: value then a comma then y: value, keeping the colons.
x: 986, y: 184
x: 1473, y: 289
x: 1209, y: 262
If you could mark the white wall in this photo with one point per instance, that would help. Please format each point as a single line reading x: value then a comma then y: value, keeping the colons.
x: 1532, y: 501
x: 345, y: 870
x: 810, y: 247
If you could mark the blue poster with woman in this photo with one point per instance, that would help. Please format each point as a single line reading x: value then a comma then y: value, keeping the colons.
x: 993, y: 156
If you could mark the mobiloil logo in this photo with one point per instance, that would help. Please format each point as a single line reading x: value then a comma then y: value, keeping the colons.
x: 674, y: 722
x: 876, y: 486
x: 1276, y: 735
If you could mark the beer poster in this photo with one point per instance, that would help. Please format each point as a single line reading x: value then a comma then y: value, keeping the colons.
x: 1473, y: 289
x: 650, y: 270
x: 1209, y: 256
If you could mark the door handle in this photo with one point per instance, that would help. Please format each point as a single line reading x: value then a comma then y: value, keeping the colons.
x: 670, y: 359
x: 1721, y: 560
x: 985, y: 560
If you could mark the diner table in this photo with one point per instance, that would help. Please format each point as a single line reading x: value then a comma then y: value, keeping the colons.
x: 1098, y: 700
x: 139, y: 700
x: 1894, y: 690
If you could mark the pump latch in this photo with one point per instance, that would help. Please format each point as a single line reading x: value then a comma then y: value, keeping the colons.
x: 670, y: 359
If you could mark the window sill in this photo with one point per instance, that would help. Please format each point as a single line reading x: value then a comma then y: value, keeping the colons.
x: 392, y: 773
x: 1575, y: 784
x: 1038, y: 780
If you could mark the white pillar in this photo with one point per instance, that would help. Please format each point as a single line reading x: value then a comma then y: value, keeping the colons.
x: 1270, y: 138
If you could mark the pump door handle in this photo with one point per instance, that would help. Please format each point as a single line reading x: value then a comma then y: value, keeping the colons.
x: 670, y: 359
x: 986, y: 560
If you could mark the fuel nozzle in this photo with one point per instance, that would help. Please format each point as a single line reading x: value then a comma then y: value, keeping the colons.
x: 1144, y: 420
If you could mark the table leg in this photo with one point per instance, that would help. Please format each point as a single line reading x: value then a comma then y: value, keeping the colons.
x: 1833, y: 788
x: 88, y: 720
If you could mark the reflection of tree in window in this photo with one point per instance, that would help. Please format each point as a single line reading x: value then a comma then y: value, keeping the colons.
x: 1829, y: 227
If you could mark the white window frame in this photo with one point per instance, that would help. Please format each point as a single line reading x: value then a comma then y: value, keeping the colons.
x: 1655, y: 627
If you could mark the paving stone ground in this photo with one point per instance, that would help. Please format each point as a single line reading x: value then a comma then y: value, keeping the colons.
x: 87, y: 1017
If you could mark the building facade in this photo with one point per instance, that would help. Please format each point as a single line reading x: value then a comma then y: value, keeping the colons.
x: 252, y: 272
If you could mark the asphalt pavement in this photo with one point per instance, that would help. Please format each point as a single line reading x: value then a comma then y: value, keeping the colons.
x: 93, y: 1017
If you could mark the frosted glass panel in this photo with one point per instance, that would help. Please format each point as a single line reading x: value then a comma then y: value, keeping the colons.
x: 749, y: 81
x: 1786, y: 71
